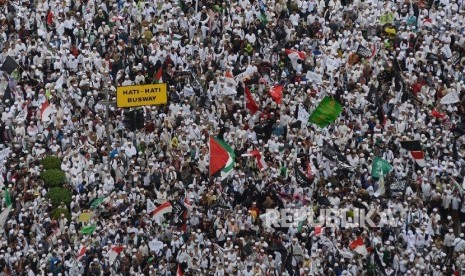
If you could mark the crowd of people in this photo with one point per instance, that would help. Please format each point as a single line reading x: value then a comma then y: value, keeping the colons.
x: 396, y: 67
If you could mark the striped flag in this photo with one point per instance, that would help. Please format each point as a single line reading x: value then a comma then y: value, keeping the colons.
x: 359, y: 246
x: 179, y: 271
x: 164, y: 208
x: 114, y: 252
x: 295, y: 56
x: 82, y: 251
x: 259, y: 157
x: 419, y: 157
x: 188, y: 203
x: 415, y: 151
x: 45, y: 111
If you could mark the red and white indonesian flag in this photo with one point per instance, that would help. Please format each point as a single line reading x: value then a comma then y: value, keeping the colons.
x: 45, y: 111
x: 165, y: 208
x: 428, y: 22
x: 188, y: 203
x: 419, y: 157
x: 294, y: 56
x: 259, y: 157
x: 230, y: 84
x: 179, y: 271
x: 82, y: 251
x: 359, y: 246
x: 318, y: 231
x: 114, y: 252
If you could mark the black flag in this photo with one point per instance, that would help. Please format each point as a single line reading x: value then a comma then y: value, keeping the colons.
x: 178, y: 211
x: 7, y: 96
x: 301, y: 178
x: 455, y: 153
x: 459, y: 129
x: 413, y: 145
x: 332, y: 153
x: 378, y: 262
x: 9, y: 65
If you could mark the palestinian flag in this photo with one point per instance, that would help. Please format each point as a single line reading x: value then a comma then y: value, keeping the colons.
x: 158, y: 75
x: 415, y: 151
x: 359, y: 246
x: 259, y: 157
x: 164, y: 208
x: 221, y: 157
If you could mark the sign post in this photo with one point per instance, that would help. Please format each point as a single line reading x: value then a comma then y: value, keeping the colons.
x: 141, y: 95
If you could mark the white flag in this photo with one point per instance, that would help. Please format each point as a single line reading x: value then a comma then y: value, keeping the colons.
x: 381, y: 189
x: 303, y: 115
x: 4, y: 216
x: 150, y: 206
x: 59, y: 83
x: 450, y: 98
x: 314, y: 77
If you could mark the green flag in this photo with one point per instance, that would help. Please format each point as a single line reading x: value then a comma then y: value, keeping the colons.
x: 301, y: 225
x: 97, y: 202
x: 380, y: 167
x: 387, y: 18
x: 263, y: 18
x: 88, y: 230
x: 327, y: 112
x: 8, y: 198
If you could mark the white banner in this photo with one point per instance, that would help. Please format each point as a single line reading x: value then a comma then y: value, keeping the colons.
x: 155, y: 246
x: 4, y: 154
x: 450, y: 98
x: 303, y: 115
x: 316, y: 78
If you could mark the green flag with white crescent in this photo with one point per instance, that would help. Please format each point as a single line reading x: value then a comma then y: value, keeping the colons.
x: 326, y: 113
x: 380, y: 167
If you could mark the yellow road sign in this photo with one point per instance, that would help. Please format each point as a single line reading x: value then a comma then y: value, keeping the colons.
x: 141, y: 95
